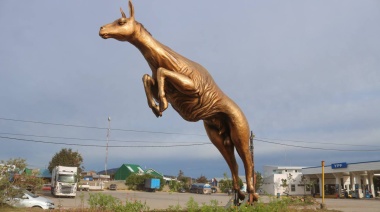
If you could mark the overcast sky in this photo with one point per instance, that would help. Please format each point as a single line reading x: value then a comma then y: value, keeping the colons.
x: 305, y: 73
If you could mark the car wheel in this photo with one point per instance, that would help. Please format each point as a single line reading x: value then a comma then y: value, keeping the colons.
x: 37, y: 206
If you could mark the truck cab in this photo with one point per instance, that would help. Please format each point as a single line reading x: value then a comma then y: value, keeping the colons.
x: 64, y: 181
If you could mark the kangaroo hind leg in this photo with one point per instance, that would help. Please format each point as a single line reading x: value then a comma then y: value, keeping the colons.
x: 226, y: 148
x: 239, y: 133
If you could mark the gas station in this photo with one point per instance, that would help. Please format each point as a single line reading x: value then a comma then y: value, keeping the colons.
x: 343, y: 179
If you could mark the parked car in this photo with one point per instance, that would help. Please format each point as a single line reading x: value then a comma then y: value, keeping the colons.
x: 27, y: 199
x: 113, y: 187
x: 200, y: 188
x: 352, y: 194
x: 228, y: 191
x: 46, y: 187
x: 214, y: 189
x: 83, y: 187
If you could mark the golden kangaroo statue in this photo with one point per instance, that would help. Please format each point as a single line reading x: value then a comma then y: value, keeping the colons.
x: 192, y: 92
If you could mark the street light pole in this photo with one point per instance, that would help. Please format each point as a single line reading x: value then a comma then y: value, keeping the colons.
x: 253, y: 161
x: 108, y: 134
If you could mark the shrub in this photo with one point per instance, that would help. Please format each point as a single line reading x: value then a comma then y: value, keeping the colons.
x: 103, y: 201
x: 213, y: 207
x: 131, y: 207
x: 175, y: 185
x: 176, y: 208
x: 192, y: 205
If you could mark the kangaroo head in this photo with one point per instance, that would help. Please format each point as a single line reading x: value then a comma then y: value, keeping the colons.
x: 121, y: 29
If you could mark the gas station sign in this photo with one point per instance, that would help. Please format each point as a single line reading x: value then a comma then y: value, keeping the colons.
x: 339, y: 165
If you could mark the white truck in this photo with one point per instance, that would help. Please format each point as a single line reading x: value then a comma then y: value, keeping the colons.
x: 64, y: 181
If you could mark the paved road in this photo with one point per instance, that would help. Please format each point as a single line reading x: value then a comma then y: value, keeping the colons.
x: 163, y: 200
x: 353, y: 205
x: 155, y: 200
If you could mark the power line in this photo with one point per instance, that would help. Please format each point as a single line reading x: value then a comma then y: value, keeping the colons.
x: 265, y: 140
x: 98, y: 128
x: 182, y: 145
x: 86, y: 139
x: 328, y: 143
x: 112, y: 146
x: 145, y: 141
x: 318, y: 148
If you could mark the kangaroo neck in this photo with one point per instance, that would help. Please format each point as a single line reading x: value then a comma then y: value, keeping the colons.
x: 155, y: 53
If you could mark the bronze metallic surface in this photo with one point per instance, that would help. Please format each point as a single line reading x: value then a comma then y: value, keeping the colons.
x: 191, y: 91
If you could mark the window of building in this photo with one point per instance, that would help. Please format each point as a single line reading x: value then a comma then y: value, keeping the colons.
x: 292, y: 187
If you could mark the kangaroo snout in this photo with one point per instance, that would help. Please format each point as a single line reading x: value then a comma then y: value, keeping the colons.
x: 102, y: 33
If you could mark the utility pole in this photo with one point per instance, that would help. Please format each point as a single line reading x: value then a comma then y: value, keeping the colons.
x: 323, y: 184
x: 108, y: 135
x: 253, y: 161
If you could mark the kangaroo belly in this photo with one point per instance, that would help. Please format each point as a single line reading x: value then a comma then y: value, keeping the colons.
x: 192, y: 108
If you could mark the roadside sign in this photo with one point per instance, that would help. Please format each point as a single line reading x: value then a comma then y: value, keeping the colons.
x: 339, y: 165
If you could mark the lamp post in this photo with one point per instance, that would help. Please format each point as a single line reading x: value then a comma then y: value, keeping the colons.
x: 108, y: 134
x: 253, y: 161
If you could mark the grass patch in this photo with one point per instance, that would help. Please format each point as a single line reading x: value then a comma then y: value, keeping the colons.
x: 106, y: 203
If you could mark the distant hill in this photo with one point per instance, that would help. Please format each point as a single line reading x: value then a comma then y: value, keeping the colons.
x: 109, y: 171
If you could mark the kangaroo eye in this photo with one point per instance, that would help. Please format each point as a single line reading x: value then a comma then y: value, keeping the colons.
x: 122, y: 21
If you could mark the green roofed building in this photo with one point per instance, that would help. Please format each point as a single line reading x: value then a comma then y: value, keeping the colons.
x: 154, y: 173
x: 126, y: 170
x: 28, y: 171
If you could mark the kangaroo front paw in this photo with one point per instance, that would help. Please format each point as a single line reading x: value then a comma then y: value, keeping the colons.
x: 163, y: 104
x: 156, y: 111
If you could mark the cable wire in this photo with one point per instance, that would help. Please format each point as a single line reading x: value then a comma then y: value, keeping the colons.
x: 84, y: 139
x: 110, y: 146
x: 328, y: 143
x: 158, y: 132
x: 318, y: 148
x: 98, y: 128
x: 182, y: 145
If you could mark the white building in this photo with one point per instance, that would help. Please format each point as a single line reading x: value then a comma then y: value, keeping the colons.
x: 283, y: 180
x: 355, y: 178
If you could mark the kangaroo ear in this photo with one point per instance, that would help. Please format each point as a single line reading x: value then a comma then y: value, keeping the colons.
x: 131, y: 9
x: 122, y: 13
